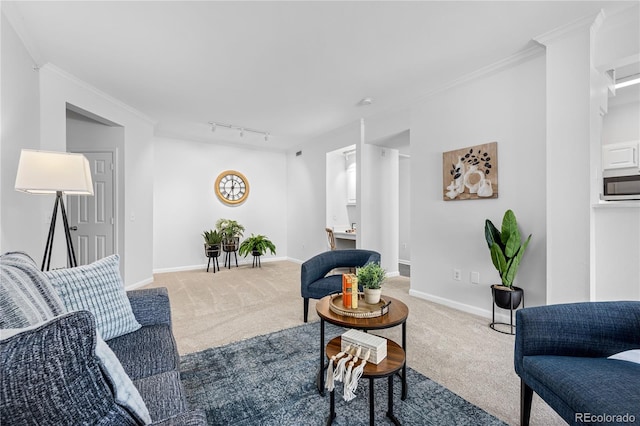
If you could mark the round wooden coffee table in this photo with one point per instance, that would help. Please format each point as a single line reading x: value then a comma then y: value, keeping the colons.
x: 397, y: 315
x: 394, y: 361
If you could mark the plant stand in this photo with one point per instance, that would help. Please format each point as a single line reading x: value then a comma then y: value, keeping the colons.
x: 512, y: 327
x: 215, y: 263
x: 256, y: 261
x: 212, y: 252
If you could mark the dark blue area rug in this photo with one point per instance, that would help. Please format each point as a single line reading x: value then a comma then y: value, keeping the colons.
x: 270, y: 380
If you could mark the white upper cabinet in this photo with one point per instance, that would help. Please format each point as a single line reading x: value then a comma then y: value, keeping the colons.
x: 620, y: 155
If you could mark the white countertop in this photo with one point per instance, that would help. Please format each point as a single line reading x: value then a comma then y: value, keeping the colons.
x: 345, y: 235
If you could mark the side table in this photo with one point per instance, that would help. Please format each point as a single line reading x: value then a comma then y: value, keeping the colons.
x: 397, y: 315
x: 394, y: 361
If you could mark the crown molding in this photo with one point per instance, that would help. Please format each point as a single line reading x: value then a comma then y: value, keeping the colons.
x: 16, y: 20
x: 83, y: 84
x: 563, y: 31
x: 517, y: 58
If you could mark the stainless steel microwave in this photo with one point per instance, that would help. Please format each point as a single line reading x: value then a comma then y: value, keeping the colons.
x: 621, y: 184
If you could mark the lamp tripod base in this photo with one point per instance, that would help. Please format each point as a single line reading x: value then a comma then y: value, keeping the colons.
x: 71, y: 254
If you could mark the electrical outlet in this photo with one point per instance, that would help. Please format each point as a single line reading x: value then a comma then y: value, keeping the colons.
x: 475, y: 278
x: 457, y: 274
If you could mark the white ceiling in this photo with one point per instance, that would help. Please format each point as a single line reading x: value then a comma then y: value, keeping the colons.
x: 294, y: 69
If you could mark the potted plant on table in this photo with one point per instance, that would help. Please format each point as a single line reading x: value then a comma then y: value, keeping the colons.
x: 507, y: 250
x: 370, y: 277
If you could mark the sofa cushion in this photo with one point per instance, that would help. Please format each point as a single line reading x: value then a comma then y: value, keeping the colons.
x: 97, y: 288
x: 26, y: 295
x: 579, y: 380
x: 125, y: 392
x: 163, y: 394
x: 188, y: 418
x: 51, y: 375
x: 147, y: 351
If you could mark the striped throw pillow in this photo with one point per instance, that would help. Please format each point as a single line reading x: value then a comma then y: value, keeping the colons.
x: 26, y: 295
x: 97, y: 288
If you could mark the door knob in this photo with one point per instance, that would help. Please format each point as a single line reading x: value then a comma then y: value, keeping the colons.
x: 73, y: 228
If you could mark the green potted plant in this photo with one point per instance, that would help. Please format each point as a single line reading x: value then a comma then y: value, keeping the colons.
x: 256, y: 245
x: 212, y: 240
x: 231, y: 231
x: 506, y: 250
x: 370, y: 277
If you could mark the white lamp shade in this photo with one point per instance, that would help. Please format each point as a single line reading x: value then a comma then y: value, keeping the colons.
x: 42, y: 172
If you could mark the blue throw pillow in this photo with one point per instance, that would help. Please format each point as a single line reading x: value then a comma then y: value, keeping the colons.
x: 67, y: 388
x: 97, y: 288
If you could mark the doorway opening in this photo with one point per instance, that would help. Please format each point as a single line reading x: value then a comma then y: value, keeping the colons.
x: 94, y: 221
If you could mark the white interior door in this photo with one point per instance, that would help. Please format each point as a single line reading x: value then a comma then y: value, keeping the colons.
x: 92, y: 219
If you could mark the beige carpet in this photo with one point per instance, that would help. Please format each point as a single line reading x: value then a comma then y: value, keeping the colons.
x: 453, y: 348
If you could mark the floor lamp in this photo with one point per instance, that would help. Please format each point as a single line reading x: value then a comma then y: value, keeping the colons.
x: 60, y: 173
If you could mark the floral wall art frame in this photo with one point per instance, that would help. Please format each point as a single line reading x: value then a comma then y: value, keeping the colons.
x: 470, y: 173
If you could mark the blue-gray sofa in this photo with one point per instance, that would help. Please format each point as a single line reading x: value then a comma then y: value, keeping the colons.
x: 314, y: 282
x: 51, y: 373
x: 561, y: 353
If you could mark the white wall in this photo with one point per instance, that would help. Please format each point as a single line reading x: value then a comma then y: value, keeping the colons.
x: 507, y: 106
x: 378, y: 198
x: 306, y: 188
x: 568, y: 90
x: 185, y: 202
x: 22, y: 216
x: 404, y: 204
x: 57, y: 89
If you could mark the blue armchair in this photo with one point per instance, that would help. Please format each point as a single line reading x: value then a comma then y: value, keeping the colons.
x: 561, y: 354
x: 315, y: 284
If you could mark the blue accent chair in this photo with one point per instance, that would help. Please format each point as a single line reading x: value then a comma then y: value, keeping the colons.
x: 561, y: 354
x: 314, y: 284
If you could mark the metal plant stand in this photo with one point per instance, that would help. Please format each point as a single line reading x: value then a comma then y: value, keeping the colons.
x: 512, y: 327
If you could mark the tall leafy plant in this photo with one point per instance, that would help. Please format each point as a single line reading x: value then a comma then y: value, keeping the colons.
x: 506, y: 247
x: 229, y: 229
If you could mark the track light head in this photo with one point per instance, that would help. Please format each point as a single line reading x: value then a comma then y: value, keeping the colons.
x: 214, y: 125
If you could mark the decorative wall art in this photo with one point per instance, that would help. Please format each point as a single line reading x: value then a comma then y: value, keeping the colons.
x: 470, y: 173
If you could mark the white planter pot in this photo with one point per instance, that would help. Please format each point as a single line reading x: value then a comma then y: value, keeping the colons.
x: 372, y: 296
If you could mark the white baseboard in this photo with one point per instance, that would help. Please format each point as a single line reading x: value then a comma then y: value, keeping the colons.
x: 461, y: 306
x: 241, y: 261
x: 404, y: 262
x: 139, y: 284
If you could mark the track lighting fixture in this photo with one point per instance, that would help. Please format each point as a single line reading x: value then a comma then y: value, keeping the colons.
x: 241, y: 130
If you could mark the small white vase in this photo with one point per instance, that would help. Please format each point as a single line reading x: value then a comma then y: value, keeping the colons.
x: 372, y: 295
